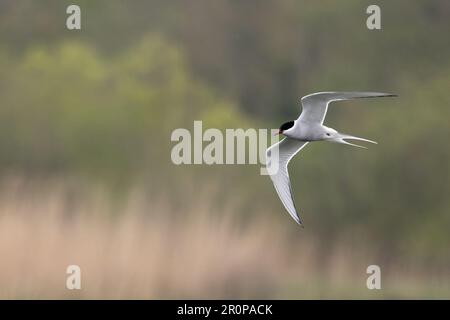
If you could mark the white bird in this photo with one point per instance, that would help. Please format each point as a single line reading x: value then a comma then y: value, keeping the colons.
x: 307, y: 128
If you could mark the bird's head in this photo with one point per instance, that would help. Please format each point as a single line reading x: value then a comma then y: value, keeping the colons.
x: 285, y: 127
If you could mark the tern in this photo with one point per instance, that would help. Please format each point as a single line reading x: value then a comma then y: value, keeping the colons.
x: 307, y: 128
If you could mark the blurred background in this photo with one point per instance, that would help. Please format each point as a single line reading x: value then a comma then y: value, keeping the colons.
x: 86, y: 176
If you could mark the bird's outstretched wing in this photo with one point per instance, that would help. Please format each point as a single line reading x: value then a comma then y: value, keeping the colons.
x: 314, y: 106
x: 285, y: 149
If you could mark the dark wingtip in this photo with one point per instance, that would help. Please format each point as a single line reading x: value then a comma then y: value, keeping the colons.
x: 300, y: 223
x: 383, y: 94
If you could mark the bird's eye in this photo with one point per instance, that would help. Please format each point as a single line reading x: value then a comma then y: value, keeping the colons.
x: 328, y: 134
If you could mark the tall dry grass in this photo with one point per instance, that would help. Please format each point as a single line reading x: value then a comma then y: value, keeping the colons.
x: 136, y: 247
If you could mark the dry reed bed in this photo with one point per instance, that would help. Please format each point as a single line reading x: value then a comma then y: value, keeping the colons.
x: 139, y: 248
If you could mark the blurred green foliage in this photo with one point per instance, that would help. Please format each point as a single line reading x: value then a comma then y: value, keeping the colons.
x: 103, y: 101
x: 68, y: 108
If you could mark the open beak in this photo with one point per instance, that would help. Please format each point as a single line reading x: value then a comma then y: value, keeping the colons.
x: 340, y: 138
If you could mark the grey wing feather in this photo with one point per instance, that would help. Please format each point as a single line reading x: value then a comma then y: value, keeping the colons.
x: 314, y: 106
x: 286, y: 150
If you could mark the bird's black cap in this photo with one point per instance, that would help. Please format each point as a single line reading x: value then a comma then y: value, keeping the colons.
x: 286, y: 126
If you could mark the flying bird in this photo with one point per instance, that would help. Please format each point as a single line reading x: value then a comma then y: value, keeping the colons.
x: 307, y: 128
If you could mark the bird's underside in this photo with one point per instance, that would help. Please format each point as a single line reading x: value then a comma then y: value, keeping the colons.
x: 314, y: 109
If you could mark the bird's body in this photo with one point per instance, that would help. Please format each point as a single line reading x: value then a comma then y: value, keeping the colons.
x: 305, y: 131
x: 307, y: 128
